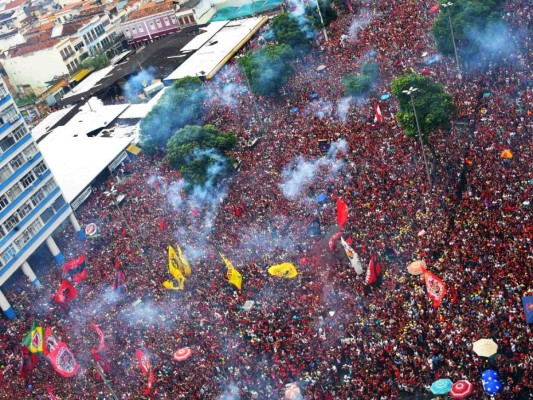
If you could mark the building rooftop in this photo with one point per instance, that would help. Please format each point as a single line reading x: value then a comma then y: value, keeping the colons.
x: 151, y: 8
x: 33, y: 47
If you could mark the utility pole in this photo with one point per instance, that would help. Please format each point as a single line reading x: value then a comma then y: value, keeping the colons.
x: 447, y: 7
x: 322, y: 20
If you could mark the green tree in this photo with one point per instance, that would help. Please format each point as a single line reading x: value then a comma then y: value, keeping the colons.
x: 294, y: 31
x: 434, y: 106
x: 341, y: 4
x: 370, y: 69
x: 199, y: 153
x: 329, y: 14
x: 180, y: 105
x: 268, y: 69
x: 358, y: 85
x: 467, y: 17
x: 98, y: 61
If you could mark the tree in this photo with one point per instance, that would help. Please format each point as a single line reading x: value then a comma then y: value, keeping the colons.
x: 180, y: 105
x: 95, y: 62
x: 296, y: 32
x: 473, y: 22
x: 268, y: 69
x: 357, y: 85
x: 199, y: 153
x: 329, y: 14
x: 370, y: 69
x: 341, y: 4
x: 433, y: 105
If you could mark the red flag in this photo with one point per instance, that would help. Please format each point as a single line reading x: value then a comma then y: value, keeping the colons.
x: 120, y: 279
x: 195, y: 212
x: 76, y: 269
x: 63, y: 360
x: 342, y: 212
x: 101, y: 361
x: 52, y: 395
x: 162, y: 223
x: 28, y: 362
x: 348, y: 4
x: 434, y: 8
x: 151, y: 380
x: 435, y: 287
x: 378, y: 117
x: 144, y: 361
x: 371, y: 271
x: 377, y: 265
x: 100, y: 334
x: 333, y: 239
x: 66, y: 292
x: 50, y: 341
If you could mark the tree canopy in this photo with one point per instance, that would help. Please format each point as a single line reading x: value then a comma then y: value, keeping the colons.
x: 98, y: 61
x: 433, y: 105
x: 473, y: 21
x: 329, y: 14
x: 294, y: 31
x: 360, y: 85
x: 268, y: 69
x: 180, y: 105
x: 199, y: 153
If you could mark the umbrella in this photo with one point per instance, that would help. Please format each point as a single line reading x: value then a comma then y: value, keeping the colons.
x: 385, y: 96
x: 506, y: 154
x: 321, y: 67
x: 314, y: 95
x: 321, y: 197
x: 373, y: 53
x: 461, y: 389
x: 491, y: 383
x: 182, y: 354
x: 442, y: 386
x: 417, y: 267
x: 485, y: 347
x: 293, y: 110
x: 292, y: 391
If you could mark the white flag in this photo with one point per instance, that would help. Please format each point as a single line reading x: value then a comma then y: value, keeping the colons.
x: 354, y: 258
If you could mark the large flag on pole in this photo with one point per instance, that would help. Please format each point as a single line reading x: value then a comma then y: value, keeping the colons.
x: 34, y: 339
x: 50, y: 341
x: 378, y: 117
x: 76, y: 269
x: 101, y: 343
x: 342, y: 212
x: 371, y: 276
x: 435, y: 287
x: 28, y: 362
x: 353, y: 257
x: 284, y: 270
x: 234, y: 276
x: 146, y: 368
x: 175, y: 270
x: 65, y: 293
x: 184, y: 264
x: 63, y: 360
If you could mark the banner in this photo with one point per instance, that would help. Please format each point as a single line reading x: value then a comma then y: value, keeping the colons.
x: 234, y: 276
x: 342, y: 212
x: 435, y: 287
x: 34, y: 339
x: 63, y: 360
x: 371, y: 271
x: 184, y: 264
x: 175, y: 269
x: 353, y: 257
x: 65, y: 293
x: 285, y: 270
x: 100, y: 334
x: 51, y: 341
x: 76, y: 269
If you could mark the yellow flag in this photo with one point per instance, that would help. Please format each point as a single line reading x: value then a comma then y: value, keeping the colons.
x: 170, y: 285
x: 184, y: 264
x: 234, y: 276
x: 285, y: 270
x: 174, y: 267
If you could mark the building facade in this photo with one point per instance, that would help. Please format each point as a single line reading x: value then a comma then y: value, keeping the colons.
x: 32, y: 206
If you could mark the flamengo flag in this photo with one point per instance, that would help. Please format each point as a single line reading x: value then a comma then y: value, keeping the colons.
x: 76, y: 269
x: 342, y: 212
x: 353, y: 257
x: 371, y: 271
x: 378, y: 117
x: 34, y: 339
x: 65, y: 293
x: 120, y: 279
x: 50, y: 342
x: 28, y: 363
x: 63, y: 360
x: 100, y: 334
x: 435, y: 287
x: 234, y: 276
x: 144, y: 361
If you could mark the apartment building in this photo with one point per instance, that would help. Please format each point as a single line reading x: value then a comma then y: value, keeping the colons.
x: 32, y: 206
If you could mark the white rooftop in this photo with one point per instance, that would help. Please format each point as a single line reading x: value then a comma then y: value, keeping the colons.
x: 218, y: 49
x: 136, y: 111
x: 207, y: 33
x: 94, y: 115
x: 90, y: 82
x: 50, y: 120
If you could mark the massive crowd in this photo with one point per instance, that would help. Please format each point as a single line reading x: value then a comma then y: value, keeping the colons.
x: 322, y: 329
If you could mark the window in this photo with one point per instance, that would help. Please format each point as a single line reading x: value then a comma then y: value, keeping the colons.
x: 47, y: 214
x: 166, y: 21
x: 24, y: 209
x: 173, y: 19
x: 40, y: 168
x: 4, y: 202
x: 191, y: 19
x: 5, y: 173
x: 17, y: 161
x: 9, y: 114
x: 28, y: 233
x: 27, y: 179
x: 141, y: 29
x: 60, y: 202
x: 11, y: 222
x: 8, y: 254
x: 6, y: 143
x: 158, y: 23
x: 14, y: 192
x: 30, y: 151
x: 19, y: 133
x: 2, y: 233
x: 50, y: 186
x: 38, y: 197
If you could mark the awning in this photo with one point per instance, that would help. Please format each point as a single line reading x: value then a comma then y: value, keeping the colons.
x: 133, y: 149
x: 82, y: 73
x: 51, y: 91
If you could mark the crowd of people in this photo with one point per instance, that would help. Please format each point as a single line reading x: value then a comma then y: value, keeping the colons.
x: 323, y: 330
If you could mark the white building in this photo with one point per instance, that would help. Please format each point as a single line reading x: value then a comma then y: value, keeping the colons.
x: 32, y: 205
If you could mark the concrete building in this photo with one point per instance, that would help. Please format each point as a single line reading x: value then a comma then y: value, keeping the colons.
x: 32, y: 205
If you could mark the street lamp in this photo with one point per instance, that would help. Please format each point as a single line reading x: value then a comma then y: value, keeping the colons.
x: 447, y: 7
x: 409, y: 92
x: 322, y: 20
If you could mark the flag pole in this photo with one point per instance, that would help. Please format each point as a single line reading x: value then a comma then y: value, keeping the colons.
x: 101, y: 373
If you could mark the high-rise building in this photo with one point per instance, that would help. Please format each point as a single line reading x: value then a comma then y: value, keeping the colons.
x: 32, y: 206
